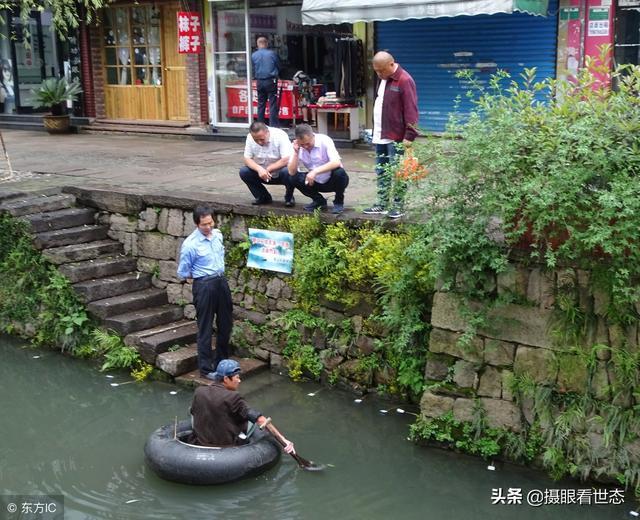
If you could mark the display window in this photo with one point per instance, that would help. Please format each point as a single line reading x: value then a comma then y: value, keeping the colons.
x: 306, y: 55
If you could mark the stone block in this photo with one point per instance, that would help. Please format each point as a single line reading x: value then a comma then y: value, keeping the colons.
x: 617, y: 336
x: 463, y: 409
x: 507, y: 376
x: 125, y: 223
x: 513, y: 323
x: 433, y: 405
x: 287, y: 292
x: 116, y: 235
x: 330, y: 360
x: 190, y: 312
x: 261, y: 353
x: 522, y: 281
x: 502, y: 414
x: 365, y: 344
x: 437, y: 367
x: 600, y: 302
x: 445, y: 342
x: 285, y: 305
x: 147, y: 265
x: 490, y: 384
x: 188, y: 224
x: 174, y: 293
x: 156, y: 245
x: 465, y: 374
x: 274, y: 287
x: 572, y: 377
x: 239, y: 229
x: 168, y: 271
x: 445, y: 313
x: 171, y: 222
x: 148, y: 220
x: 277, y: 361
x: 160, y: 284
x: 537, y: 362
x: 130, y: 243
x: 498, y: 353
x: 254, y: 317
x: 187, y: 294
x: 506, y: 281
x: 600, y: 382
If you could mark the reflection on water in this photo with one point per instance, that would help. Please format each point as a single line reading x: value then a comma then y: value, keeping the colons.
x: 67, y: 431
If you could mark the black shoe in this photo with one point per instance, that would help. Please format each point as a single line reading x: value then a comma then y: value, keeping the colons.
x: 260, y: 202
x: 290, y: 203
x: 316, y: 205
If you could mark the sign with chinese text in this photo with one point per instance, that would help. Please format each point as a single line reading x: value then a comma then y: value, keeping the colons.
x: 270, y: 250
x: 189, y: 29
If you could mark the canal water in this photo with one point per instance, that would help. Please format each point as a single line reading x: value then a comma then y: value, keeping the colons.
x: 66, y: 430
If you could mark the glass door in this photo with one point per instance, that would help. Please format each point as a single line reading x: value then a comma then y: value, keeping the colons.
x: 231, y: 64
x: 35, y: 53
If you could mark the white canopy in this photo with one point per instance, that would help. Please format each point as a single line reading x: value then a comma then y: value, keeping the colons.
x: 316, y: 12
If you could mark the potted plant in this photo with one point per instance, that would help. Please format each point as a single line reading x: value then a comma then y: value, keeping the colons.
x: 54, y: 93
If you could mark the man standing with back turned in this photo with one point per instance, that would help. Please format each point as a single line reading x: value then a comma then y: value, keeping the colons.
x: 266, y: 68
x: 202, y: 260
x: 395, y: 121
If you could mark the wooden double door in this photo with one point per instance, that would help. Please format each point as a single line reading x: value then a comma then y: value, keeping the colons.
x: 145, y: 76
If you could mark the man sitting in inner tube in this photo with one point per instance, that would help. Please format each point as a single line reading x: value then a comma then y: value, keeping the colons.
x: 220, y: 414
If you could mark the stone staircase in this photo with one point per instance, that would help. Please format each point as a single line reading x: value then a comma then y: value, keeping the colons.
x: 121, y: 298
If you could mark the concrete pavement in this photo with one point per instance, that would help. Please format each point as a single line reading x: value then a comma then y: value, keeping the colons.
x: 156, y: 164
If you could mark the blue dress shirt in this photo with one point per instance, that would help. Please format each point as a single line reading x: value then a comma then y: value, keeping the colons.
x: 266, y: 64
x: 201, y: 256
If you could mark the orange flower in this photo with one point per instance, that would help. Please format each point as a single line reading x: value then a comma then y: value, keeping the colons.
x: 411, y: 170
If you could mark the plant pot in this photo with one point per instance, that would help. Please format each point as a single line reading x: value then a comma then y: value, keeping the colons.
x: 57, y: 124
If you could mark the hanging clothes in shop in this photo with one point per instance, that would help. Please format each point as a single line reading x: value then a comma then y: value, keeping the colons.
x: 349, y: 69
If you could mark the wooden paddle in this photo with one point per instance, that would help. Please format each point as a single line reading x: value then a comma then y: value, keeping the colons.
x: 305, y: 464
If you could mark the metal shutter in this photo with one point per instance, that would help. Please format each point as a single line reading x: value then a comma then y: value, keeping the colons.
x: 433, y: 49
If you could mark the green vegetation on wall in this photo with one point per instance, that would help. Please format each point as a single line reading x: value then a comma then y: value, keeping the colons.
x: 343, y: 265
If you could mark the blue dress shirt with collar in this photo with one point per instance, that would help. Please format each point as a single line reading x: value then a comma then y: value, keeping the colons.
x: 201, y: 256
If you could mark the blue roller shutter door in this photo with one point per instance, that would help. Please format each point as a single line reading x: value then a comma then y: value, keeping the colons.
x: 432, y: 50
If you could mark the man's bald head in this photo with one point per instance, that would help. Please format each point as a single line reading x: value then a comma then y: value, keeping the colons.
x: 384, y: 65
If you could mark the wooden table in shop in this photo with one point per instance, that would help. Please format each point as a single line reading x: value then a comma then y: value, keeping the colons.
x: 350, y: 111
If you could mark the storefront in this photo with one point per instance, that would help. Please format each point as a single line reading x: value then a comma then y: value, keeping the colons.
x: 433, y: 50
x: 234, y: 27
x: 145, y: 76
x: 28, y: 55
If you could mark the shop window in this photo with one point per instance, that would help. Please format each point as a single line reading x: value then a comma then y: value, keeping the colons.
x: 132, y: 46
x: 627, y: 32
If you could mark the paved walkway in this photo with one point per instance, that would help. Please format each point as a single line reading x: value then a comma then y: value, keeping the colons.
x: 155, y: 163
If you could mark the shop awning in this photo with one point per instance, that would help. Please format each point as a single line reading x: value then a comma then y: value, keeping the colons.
x: 316, y: 12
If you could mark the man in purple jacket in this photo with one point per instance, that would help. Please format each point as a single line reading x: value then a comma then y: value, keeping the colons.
x: 395, y: 120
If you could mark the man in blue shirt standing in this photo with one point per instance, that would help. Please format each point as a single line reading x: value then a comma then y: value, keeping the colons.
x: 266, y: 68
x: 202, y: 262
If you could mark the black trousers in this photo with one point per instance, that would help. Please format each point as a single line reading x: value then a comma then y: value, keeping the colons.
x: 256, y: 184
x: 337, y: 183
x: 268, y: 88
x: 212, y: 298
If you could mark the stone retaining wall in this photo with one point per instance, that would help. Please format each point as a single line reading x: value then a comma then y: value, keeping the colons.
x: 152, y: 229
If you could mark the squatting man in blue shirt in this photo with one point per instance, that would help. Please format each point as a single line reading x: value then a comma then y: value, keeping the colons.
x: 202, y: 264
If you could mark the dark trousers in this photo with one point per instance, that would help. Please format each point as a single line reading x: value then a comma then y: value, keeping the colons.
x: 268, y: 89
x: 256, y: 184
x: 212, y: 298
x: 337, y: 183
x: 388, y: 156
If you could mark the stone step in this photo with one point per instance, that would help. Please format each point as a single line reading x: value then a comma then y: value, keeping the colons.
x: 78, y: 252
x: 101, y: 288
x: 98, y: 268
x: 60, y: 219
x: 144, y: 319
x: 74, y: 235
x: 249, y: 367
x: 150, y: 343
x: 178, y: 362
x: 32, y: 205
x: 128, y: 302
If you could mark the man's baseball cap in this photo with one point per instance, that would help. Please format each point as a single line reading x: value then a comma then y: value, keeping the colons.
x: 228, y: 368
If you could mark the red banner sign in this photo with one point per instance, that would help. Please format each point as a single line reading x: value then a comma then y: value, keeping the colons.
x: 189, y: 31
